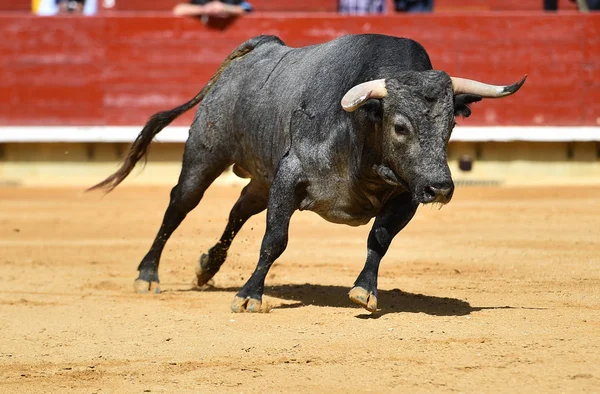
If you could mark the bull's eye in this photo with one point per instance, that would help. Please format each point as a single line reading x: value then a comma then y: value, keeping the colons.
x: 401, y: 129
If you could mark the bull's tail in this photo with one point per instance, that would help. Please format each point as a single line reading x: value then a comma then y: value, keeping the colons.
x: 139, y: 147
x: 158, y: 121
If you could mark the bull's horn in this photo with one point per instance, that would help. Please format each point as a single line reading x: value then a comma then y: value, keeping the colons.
x: 462, y: 85
x: 360, y: 93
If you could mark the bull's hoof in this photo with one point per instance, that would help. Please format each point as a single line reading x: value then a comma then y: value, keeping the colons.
x: 143, y: 286
x: 366, y: 299
x: 247, y: 304
x: 147, y: 281
x: 203, y: 273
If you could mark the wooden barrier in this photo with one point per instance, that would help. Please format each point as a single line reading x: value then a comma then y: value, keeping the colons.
x: 118, y: 70
x: 12, y: 5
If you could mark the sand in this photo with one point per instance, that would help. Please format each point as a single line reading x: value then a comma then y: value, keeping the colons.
x: 499, y: 291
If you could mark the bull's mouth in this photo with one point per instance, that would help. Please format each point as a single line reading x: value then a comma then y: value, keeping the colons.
x: 391, y: 177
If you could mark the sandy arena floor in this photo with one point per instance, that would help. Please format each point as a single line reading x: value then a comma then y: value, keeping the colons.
x: 497, y: 292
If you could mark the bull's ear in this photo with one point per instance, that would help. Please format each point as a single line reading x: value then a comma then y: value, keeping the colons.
x: 374, y: 110
x: 462, y: 101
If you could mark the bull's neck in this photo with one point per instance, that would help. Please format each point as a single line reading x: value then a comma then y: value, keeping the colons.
x: 366, y: 179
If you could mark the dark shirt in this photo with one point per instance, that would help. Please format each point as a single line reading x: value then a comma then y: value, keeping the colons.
x: 414, y: 5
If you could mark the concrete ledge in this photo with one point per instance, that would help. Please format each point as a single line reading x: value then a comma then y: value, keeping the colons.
x: 492, y: 173
x: 36, y: 134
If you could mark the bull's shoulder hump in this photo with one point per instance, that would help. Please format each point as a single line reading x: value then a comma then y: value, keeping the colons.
x: 377, y: 39
x: 363, y: 41
x: 260, y: 41
x: 374, y: 49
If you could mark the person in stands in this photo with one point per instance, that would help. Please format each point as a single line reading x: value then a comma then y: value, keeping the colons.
x: 220, y: 9
x: 70, y: 6
x: 362, y: 7
x: 414, y: 5
x: 54, y: 7
x: 583, y: 5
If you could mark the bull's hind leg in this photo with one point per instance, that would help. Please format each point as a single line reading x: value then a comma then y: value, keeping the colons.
x: 395, y: 216
x: 200, y: 168
x: 253, y: 200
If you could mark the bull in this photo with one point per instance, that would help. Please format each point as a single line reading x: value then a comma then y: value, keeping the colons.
x: 274, y: 113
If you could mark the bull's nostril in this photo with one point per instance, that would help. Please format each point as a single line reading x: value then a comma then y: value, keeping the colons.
x: 430, y: 193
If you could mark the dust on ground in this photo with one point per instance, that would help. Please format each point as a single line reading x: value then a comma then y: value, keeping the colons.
x: 497, y: 292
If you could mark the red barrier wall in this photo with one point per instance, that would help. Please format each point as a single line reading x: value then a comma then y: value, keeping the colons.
x: 119, y: 70
x: 15, y: 5
x: 331, y: 5
x: 316, y: 5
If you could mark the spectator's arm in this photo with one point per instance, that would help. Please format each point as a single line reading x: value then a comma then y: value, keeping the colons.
x: 214, y: 8
x: 184, y: 9
x: 217, y: 8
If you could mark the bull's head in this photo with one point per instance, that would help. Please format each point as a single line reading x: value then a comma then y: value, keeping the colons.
x: 415, y: 115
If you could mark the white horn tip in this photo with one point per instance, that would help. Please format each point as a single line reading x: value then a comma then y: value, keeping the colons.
x: 510, y: 89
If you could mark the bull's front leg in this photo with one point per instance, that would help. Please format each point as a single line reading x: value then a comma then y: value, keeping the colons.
x: 394, y: 217
x: 283, y: 201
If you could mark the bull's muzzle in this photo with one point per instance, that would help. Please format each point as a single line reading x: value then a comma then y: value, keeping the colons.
x: 440, y: 192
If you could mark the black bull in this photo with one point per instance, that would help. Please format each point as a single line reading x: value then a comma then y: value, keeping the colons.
x: 351, y: 129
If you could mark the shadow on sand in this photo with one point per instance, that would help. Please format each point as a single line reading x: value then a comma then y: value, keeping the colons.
x: 390, y: 301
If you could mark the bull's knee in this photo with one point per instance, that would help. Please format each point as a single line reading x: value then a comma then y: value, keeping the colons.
x: 184, y: 198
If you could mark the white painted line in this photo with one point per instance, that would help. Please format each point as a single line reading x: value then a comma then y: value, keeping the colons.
x: 85, y: 134
x: 526, y: 133
x: 102, y: 134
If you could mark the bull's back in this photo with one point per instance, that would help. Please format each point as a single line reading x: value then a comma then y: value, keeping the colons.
x: 275, y: 96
